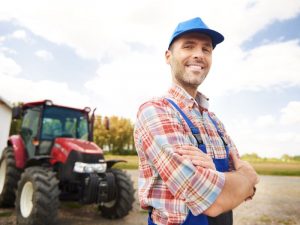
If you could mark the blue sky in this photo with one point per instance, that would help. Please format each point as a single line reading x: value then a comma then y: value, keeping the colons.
x: 110, y: 55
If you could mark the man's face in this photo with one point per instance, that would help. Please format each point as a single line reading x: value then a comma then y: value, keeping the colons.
x: 190, y: 58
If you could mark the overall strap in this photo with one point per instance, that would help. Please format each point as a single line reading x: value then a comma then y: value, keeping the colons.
x: 194, y: 129
x: 219, y: 132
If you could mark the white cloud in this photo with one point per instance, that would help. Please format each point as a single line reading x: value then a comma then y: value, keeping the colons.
x: 23, y: 90
x: 5, y: 49
x: 274, y: 65
x: 105, y: 33
x: 122, y: 85
x: 268, y: 135
x: 8, y: 50
x: 265, y: 121
x: 19, y: 34
x: 291, y: 114
x: 2, y: 39
x: 44, y: 55
x: 244, y: 18
x: 8, y: 66
x: 272, y: 140
x: 109, y: 25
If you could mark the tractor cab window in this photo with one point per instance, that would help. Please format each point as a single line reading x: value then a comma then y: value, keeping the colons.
x: 29, y: 129
x: 64, y: 122
x: 83, y: 128
x: 31, y: 121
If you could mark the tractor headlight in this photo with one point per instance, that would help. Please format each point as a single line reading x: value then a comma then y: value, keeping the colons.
x: 81, y: 167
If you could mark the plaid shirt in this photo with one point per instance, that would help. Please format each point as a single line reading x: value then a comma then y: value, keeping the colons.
x: 168, y: 183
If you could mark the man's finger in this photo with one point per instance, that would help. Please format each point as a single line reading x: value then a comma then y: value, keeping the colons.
x: 204, y: 164
x: 235, y: 159
x: 189, y: 148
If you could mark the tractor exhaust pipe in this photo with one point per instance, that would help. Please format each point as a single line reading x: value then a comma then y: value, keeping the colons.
x: 92, y: 121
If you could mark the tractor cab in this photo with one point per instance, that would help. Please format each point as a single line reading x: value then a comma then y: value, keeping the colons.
x: 43, y: 122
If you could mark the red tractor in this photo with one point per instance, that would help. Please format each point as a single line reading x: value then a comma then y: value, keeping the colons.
x: 54, y: 158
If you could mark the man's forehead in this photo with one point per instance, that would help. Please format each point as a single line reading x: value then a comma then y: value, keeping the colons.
x: 194, y: 36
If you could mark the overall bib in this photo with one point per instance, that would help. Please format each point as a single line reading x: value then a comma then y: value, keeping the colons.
x: 222, y: 165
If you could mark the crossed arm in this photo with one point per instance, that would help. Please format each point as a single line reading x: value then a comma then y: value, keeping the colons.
x: 244, y: 177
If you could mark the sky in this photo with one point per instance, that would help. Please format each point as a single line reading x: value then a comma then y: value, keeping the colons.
x: 109, y: 55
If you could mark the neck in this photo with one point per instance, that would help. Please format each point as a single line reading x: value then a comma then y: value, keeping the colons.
x: 191, y: 90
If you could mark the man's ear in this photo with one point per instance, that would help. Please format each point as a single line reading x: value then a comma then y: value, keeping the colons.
x: 168, y: 56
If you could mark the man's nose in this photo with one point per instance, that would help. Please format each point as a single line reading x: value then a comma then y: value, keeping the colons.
x: 198, y: 53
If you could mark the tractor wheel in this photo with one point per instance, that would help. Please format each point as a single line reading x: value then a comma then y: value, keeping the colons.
x: 122, y: 204
x: 9, y: 177
x: 37, y: 197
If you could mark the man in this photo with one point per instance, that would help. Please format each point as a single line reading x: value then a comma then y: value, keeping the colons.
x: 185, y: 153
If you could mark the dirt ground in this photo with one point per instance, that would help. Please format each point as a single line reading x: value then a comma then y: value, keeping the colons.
x: 277, y: 202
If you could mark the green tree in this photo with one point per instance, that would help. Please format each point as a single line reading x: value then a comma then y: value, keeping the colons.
x: 251, y: 157
x: 101, y: 134
x: 15, y: 126
x: 286, y: 158
x: 296, y: 158
x: 118, y: 139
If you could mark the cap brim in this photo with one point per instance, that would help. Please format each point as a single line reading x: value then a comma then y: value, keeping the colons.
x: 215, y: 36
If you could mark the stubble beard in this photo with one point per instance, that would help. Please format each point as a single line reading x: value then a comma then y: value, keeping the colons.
x: 187, y: 80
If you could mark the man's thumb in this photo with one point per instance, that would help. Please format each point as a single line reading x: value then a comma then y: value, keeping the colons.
x: 235, y: 159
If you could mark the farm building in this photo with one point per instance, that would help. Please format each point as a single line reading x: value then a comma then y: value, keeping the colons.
x: 5, y: 121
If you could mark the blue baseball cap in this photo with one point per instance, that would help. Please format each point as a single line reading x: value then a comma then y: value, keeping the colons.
x: 196, y: 25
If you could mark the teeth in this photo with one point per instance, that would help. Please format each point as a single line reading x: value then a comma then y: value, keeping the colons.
x: 196, y: 66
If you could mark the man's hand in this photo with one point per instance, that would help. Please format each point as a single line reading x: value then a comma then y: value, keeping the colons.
x: 245, y: 169
x: 197, y: 157
x: 239, y: 186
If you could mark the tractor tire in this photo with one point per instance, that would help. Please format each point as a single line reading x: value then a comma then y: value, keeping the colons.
x: 37, y: 197
x: 9, y: 177
x: 122, y: 204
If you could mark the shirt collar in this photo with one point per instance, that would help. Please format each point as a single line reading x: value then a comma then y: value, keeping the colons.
x: 184, y: 99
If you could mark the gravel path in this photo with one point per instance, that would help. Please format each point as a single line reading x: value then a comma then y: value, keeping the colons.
x: 277, y: 202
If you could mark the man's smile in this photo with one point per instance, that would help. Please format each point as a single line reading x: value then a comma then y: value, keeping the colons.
x: 195, y: 66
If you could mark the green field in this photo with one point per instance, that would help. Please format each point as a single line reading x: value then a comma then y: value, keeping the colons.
x: 277, y: 168
x: 263, y: 167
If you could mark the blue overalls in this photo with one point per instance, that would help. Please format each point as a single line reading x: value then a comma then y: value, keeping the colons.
x: 222, y: 165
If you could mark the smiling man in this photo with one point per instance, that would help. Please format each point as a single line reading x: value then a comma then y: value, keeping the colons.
x: 189, y: 172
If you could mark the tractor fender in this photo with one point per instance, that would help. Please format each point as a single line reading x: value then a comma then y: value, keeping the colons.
x: 18, y: 146
x: 112, y: 162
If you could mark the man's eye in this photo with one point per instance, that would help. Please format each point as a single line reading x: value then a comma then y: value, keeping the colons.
x: 207, y: 50
x: 187, y: 46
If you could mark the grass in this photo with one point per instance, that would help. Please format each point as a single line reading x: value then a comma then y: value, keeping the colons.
x: 5, y: 214
x: 263, y: 168
x: 72, y: 205
x: 277, y: 168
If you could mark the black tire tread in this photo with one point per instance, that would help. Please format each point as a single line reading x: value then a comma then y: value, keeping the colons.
x: 125, y: 197
x: 8, y: 194
x: 45, y: 200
